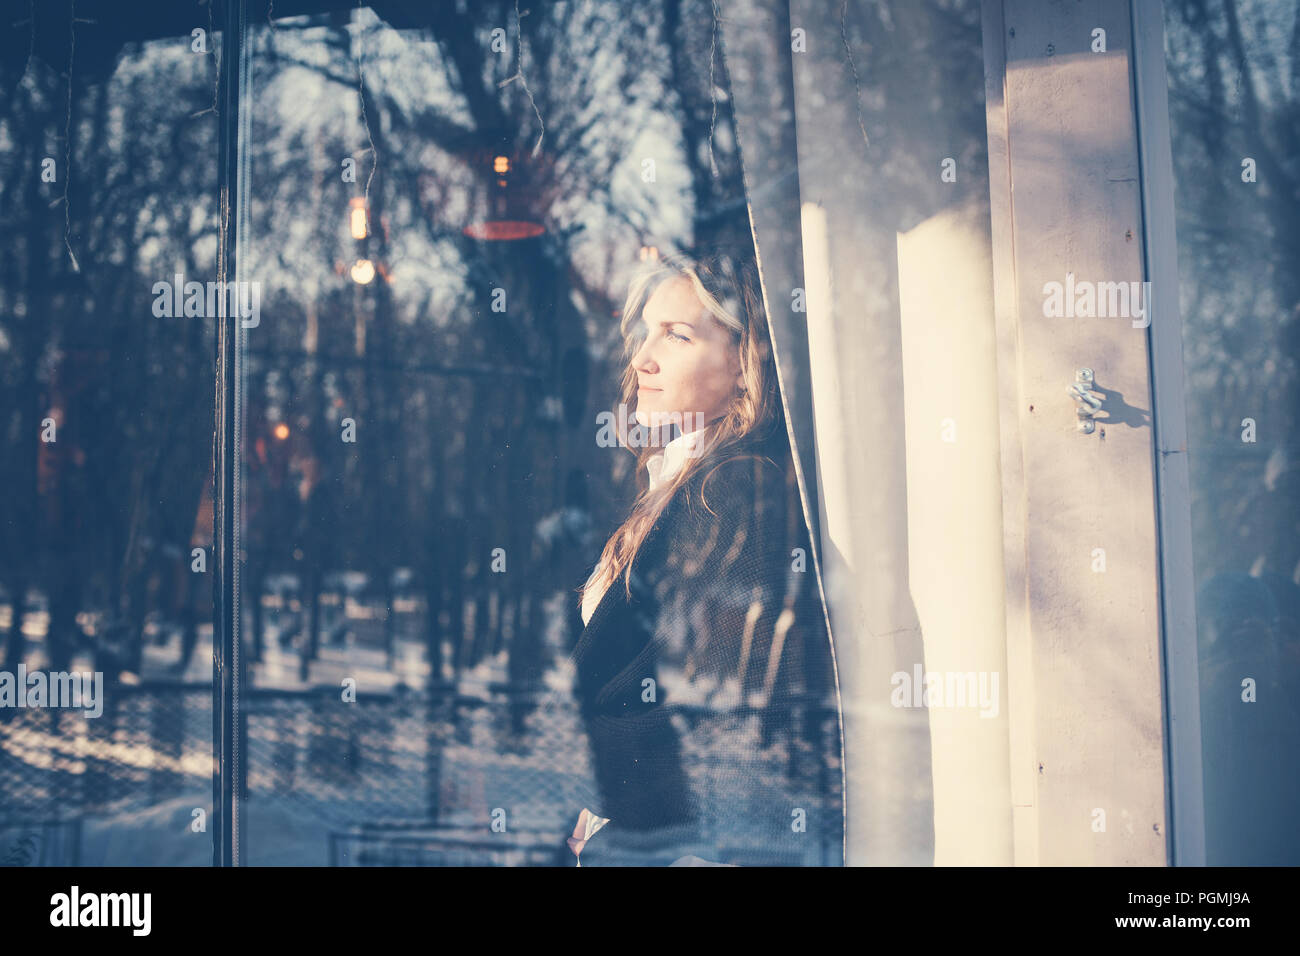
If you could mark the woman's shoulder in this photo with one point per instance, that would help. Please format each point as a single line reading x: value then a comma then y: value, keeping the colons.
x: 736, y: 481
x: 750, y: 460
x: 738, y: 497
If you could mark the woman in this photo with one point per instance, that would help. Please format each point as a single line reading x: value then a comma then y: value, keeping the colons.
x: 704, y: 673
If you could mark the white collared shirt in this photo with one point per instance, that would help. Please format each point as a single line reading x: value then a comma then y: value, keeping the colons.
x: 661, y: 467
x: 665, y: 464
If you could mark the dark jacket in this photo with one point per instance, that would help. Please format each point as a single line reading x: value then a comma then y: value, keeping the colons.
x: 711, y: 715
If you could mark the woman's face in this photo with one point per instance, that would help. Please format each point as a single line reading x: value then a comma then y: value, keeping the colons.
x: 688, y: 364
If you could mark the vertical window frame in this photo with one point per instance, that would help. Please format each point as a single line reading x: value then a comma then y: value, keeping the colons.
x: 1185, y: 798
x: 226, y: 663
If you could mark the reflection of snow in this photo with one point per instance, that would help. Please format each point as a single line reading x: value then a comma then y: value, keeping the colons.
x: 571, y: 524
x: 277, y: 831
x: 477, y: 681
x: 48, y: 751
x: 316, y: 767
x: 303, y: 786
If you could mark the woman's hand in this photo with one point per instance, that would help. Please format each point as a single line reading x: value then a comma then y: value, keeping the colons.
x: 588, y: 823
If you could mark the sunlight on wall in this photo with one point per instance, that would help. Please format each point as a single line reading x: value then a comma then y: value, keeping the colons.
x: 954, y: 520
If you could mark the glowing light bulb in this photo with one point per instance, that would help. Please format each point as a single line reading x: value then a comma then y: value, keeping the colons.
x: 363, y: 272
x: 357, y: 218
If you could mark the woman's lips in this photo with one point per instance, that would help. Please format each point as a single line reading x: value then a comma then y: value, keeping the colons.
x: 645, y: 388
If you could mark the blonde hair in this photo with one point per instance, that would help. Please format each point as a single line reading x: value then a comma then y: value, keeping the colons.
x: 728, y: 288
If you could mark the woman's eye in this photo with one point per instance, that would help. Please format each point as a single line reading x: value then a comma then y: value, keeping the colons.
x: 679, y: 338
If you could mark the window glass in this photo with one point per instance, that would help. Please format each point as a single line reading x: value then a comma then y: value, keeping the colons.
x: 1233, y: 68
x: 447, y: 209
x: 108, y: 179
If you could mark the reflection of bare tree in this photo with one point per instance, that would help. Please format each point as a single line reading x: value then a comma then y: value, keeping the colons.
x: 1231, y: 65
x: 114, y: 373
x: 102, y: 517
x: 470, y: 421
x: 462, y: 452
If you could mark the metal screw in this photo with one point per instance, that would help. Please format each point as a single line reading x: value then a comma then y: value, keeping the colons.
x: 1051, y: 48
x: 1083, y: 378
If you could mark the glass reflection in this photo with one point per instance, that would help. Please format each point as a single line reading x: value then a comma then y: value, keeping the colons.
x: 1233, y: 108
x: 108, y: 179
x: 446, y: 210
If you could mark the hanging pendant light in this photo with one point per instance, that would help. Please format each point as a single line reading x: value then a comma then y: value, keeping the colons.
x: 357, y: 218
x: 362, y: 271
x: 509, y: 199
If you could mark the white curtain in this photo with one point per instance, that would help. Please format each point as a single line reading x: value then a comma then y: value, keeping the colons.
x: 875, y: 258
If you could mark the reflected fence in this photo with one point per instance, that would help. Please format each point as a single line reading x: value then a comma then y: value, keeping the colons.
x: 408, y: 777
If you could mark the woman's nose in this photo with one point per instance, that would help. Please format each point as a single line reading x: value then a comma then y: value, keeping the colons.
x: 643, y: 360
